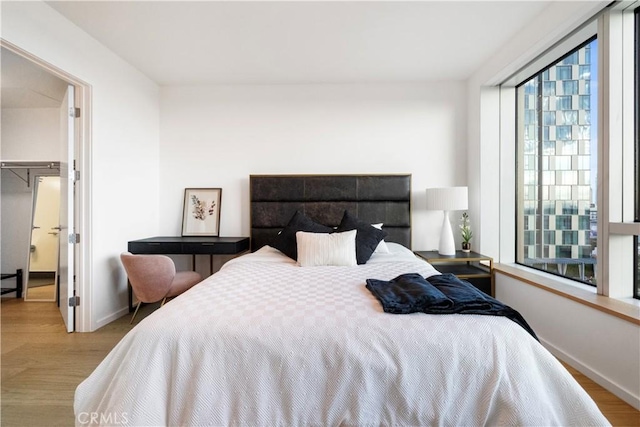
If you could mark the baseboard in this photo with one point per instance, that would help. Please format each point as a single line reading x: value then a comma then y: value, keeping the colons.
x: 110, y: 318
x: 595, y: 376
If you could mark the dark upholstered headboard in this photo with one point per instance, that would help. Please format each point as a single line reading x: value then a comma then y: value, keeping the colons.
x: 324, y: 198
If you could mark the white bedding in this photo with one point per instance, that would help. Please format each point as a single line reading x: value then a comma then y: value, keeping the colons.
x: 264, y: 342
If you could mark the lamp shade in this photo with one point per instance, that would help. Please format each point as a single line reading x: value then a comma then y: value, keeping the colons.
x: 447, y: 198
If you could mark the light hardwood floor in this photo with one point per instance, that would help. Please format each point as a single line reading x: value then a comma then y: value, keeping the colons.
x: 41, y: 366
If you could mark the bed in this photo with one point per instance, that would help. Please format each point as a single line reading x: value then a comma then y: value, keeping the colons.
x: 267, y: 342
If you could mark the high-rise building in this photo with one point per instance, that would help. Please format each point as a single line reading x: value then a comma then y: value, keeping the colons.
x: 560, y: 160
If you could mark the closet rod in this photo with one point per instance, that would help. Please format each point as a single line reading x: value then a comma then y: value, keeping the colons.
x: 30, y: 165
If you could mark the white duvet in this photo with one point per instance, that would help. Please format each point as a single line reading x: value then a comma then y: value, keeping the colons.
x: 264, y: 342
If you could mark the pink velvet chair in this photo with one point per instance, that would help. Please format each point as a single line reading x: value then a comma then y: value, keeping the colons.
x: 154, y: 278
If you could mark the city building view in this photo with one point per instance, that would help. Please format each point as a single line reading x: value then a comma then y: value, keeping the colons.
x: 557, y: 167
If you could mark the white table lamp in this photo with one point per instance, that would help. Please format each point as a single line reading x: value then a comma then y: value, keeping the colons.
x: 447, y: 199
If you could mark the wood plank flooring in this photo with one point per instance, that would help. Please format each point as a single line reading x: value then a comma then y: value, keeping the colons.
x: 41, y: 365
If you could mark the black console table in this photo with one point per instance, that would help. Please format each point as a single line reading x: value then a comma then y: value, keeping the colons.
x: 18, y: 288
x: 188, y: 245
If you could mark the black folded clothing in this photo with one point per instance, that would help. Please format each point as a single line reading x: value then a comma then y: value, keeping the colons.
x: 407, y: 293
x: 464, y: 295
x: 439, y: 294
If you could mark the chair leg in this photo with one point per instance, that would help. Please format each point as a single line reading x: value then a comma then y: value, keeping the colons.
x: 163, y: 301
x: 135, y: 312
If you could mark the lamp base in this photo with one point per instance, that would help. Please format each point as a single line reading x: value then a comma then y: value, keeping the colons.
x: 447, y: 245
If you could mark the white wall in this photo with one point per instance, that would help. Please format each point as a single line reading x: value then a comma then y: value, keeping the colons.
x: 122, y: 193
x: 603, y: 347
x: 216, y: 136
x: 30, y: 134
x: 600, y: 345
x: 26, y: 134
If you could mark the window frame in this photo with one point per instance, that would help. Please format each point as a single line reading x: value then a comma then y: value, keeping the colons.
x: 636, y: 240
x: 617, y: 228
x: 618, y: 123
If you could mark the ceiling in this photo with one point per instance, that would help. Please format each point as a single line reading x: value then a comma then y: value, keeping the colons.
x: 297, y: 42
x: 25, y: 85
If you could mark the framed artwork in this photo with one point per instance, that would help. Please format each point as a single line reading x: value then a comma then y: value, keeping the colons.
x: 201, y: 212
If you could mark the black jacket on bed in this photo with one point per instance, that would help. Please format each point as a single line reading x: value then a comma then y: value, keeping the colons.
x: 439, y: 294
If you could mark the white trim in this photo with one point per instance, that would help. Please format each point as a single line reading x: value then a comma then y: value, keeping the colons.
x: 615, y: 132
x: 507, y: 184
x: 111, y: 317
x: 594, y: 375
x: 83, y: 187
x: 603, y: 182
x: 627, y: 66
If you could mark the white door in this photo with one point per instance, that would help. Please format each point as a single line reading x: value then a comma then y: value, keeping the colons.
x: 66, y: 269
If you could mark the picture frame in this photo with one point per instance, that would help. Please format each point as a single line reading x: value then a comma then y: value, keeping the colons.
x: 201, y: 212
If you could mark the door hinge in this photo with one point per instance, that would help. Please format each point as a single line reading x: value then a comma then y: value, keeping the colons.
x: 77, y: 175
x: 74, y: 112
x: 74, y: 301
x: 74, y: 238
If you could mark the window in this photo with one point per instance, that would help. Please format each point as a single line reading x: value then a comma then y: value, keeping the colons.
x: 564, y: 102
x: 569, y: 117
x: 563, y: 222
x: 563, y: 187
x: 584, y: 102
x: 592, y: 160
x: 549, y: 88
x: 569, y: 208
x: 569, y: 237
x: 563, y: 72
x: 563, y: 132
x: 584, y: 72
x: 570, y: 87
x: 550, y: 237
x: 584, y: 222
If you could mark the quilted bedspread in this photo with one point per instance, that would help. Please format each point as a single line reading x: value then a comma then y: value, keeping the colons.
x: 264, y: 342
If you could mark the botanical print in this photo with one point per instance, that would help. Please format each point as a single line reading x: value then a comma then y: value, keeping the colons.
x: 201, y: 212
x: 200, y: 208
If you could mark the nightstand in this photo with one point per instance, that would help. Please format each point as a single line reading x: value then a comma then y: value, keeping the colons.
x: 473, y: 267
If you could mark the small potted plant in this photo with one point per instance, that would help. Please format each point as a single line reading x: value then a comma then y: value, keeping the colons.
x: 466, y: 233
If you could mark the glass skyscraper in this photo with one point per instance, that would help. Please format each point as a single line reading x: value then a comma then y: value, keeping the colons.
x: 558, y: 210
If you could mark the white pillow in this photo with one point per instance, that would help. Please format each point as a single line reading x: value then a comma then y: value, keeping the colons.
x: 326, y: 249
x: 382, y: 247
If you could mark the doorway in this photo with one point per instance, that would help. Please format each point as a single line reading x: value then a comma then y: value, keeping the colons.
x: 42, y: 263
x: 39, y: 90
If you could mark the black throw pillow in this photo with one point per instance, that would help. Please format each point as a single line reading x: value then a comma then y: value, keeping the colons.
x: 286, y: 242
x: 367, y: 238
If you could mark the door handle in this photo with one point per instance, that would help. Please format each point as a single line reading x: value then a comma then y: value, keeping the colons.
x: 56, y: 228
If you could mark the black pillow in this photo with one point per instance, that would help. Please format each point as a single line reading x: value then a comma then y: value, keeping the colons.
x: 367, y: 238
x: 286, y: 242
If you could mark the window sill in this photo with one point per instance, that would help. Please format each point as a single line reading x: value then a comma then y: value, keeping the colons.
x: 625, y: 308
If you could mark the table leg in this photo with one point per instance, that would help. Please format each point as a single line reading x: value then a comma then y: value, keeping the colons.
x: 130, y: 291
x: 19, y: 283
